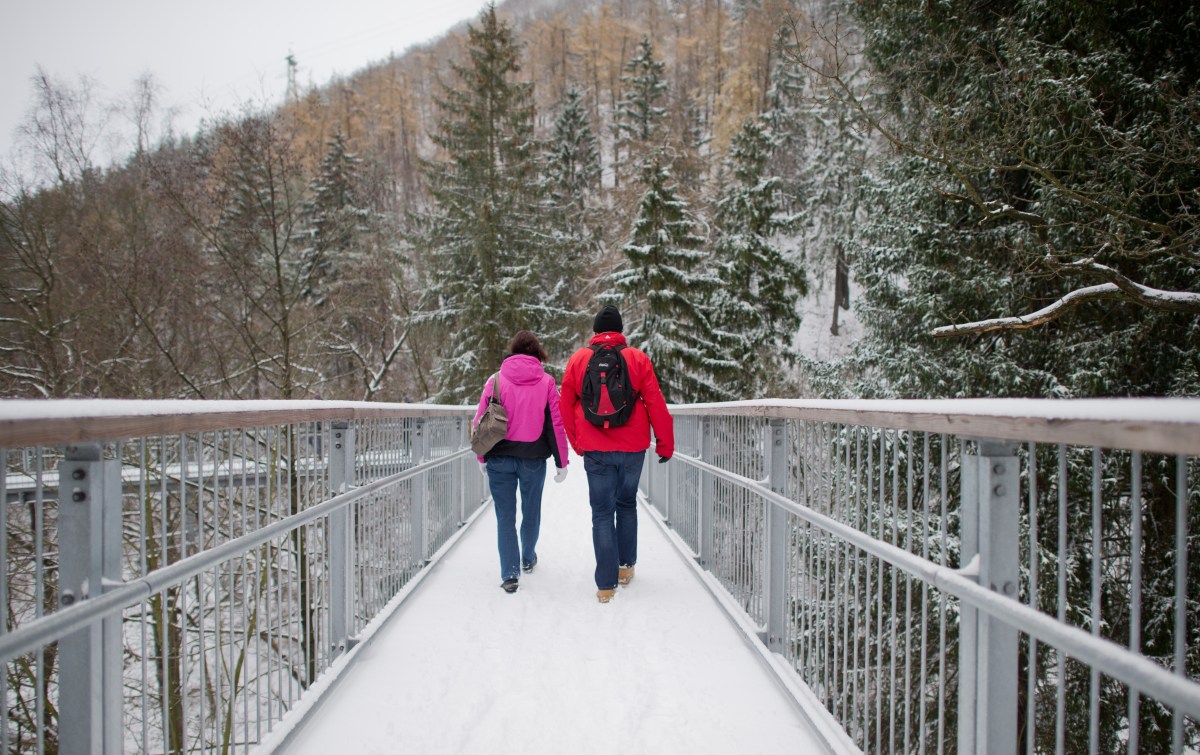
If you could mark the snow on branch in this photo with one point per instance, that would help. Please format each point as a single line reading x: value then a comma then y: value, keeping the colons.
x: 1153, y: 298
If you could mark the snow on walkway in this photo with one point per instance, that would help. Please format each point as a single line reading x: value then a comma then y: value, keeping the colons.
x: 463, y: 667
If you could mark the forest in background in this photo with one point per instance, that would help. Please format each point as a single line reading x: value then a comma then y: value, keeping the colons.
x: 709, y: 165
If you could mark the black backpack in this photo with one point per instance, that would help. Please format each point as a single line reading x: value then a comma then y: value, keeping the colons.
x: 608, y: 395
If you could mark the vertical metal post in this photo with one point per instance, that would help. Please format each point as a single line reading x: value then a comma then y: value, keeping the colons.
x: 775, y: 550
x: 341, y: 539
x: 668, y: 493
x: 89, y: 559
x: 707, y: 491
x: 987, y: 693
x: 652, y: 473
x: 465, y: 467
x: 968, y: 617
x: 420, y: 453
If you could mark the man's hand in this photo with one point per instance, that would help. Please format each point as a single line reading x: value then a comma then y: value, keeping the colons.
x: 663, y: 459
x: 561, y: 474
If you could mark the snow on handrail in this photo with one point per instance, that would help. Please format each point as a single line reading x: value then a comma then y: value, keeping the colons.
x: 1160, y: 425
x: 28, y: 422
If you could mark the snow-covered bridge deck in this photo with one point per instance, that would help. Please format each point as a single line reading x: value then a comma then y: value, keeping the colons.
x: 462, y: 667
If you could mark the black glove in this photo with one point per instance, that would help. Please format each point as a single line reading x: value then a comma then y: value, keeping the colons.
x: 663, y: 459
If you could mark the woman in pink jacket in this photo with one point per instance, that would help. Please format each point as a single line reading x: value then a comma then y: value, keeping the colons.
x: 535, y: 432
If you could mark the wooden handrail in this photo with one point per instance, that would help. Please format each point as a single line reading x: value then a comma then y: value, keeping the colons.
x: 66, y: 421
x: 1157, y: 425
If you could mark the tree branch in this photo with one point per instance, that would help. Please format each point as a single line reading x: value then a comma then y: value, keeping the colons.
x: 1127, y: 290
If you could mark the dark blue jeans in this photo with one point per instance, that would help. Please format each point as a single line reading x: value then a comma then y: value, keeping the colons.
x: 505, y: 474
x: 612, y: 490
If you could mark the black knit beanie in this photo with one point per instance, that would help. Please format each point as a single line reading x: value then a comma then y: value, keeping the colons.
x: 608, y: 320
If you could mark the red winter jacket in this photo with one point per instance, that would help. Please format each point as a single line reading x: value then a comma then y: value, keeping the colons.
x: 634, y: 435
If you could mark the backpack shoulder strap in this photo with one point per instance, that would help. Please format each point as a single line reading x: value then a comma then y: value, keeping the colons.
x: 496, y: 386
x: 595, y: 347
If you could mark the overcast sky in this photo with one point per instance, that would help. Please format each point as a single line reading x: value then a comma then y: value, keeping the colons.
x: 208, y: 57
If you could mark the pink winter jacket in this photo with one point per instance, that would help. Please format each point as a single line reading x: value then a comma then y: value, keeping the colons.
x: 530, y: 399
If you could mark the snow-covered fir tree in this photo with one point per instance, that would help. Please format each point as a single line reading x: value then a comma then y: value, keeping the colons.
x: 573, y: 155
x: 485, y: 235
x: 664, y: 283
x: 572, y: 173
x: 333, y: 216
x: 990, y: 208
x: 690, y: 165
x: 640, y: 121
x: 753, y: 313
x: 786, y: 95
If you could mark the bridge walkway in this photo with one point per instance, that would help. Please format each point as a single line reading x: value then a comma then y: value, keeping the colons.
x: 463, y: 667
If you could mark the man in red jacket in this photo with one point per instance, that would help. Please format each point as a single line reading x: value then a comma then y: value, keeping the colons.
x: 613, y: 456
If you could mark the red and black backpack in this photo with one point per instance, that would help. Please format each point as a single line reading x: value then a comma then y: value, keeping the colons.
x: 608, y: 395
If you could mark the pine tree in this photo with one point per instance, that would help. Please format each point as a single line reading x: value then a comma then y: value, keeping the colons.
x: 754, y: 311
x: 665, y: 284
x: 484, y: 236
x: 787, y: 93
x: 572, y: 167
x: 1071, y: 125
x: 640, y: 121
x: 332, y: 218
x: 1004, y: 208
x: 573, y: 159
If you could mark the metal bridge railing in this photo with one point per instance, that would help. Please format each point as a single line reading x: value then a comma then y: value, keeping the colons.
x: 960, y: 576
x: 176, y: 574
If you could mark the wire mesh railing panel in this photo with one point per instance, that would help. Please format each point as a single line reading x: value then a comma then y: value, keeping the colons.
x: 29, y: 524
x: 209, y: 660
x: 886, y: 528
x: 684, y: 500
x: 445, y: 435
x: 383, y: 447
x: 738, y: 525
x: 1109, y: 545
x: 386, y: 548
x: 442, y: 501
x: 870, y: 639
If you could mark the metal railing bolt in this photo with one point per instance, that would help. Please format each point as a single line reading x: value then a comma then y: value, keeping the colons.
x: 79, y: 496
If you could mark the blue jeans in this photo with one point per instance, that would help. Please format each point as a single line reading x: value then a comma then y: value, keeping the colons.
x: 505, y: 474
x: 612, y: 491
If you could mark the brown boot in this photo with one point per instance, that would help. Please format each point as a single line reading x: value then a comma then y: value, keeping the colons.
x: 624, y: 575
x: 605, y: 595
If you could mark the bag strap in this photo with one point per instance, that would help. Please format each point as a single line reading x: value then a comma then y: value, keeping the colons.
x: 496, y: 389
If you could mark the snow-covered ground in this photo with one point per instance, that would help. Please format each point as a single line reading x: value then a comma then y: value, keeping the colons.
x: 463, y: 667
x: 814, y: 339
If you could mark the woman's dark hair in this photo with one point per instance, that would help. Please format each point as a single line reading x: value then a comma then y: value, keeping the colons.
x: 525, y: 342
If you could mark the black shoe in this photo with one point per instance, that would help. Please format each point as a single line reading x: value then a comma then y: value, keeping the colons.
x: 527, y: 568
x: 509, y: 585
